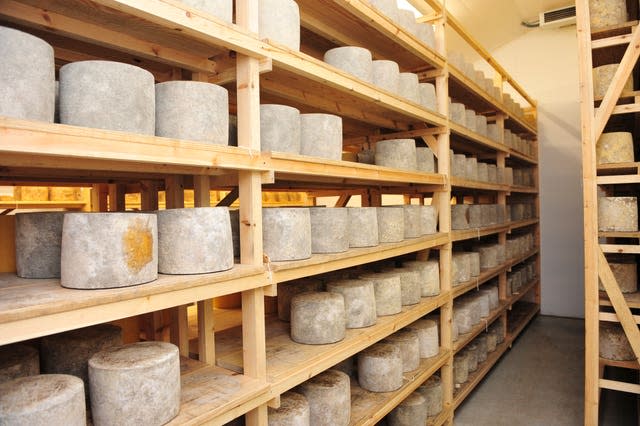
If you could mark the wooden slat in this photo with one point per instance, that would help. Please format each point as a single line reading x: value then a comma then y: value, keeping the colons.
x: 617, y: 84
x: 367, y: 408
x: 210, y: 395
x: 618, y: 302
x: 34, y: 308
x: 51, y: 21
x: 290, y: 363
x: 321, y: 263
x: 585, y: 69
x: 620, y: 386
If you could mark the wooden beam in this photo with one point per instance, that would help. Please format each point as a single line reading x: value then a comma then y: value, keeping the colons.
x: 619, y: 303
x: 617, y: 84
x: 620, y: 386
x: 591, y: 301
x: 230, y: 198
x: 118, y: 40
x: 343, y: 200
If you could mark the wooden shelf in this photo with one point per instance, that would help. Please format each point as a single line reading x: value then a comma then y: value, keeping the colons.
x: 305, y: 80
x: 467, y: 234
x: 466, y: 338
x: 457, y: 182
x: 632, y: 364
x: 633, y: 299
x: 519, y: 317
x: 321, y: 263
x: 474, y: 378
x: 477, y: 138
x: 356, y: 23
x: 32, y: 308
x: 442, y: 418
x: 475, y: 282
x: 368, y: 408
x: 300, y: 168
x: 523, y: 189
x: 290, y: 363
x: 618, y: 234
x: 58, y: 146
x: 523, y: 291
x: 467, y: 91
x: 527, y: 159
x: 214, y: 395
x: 37, y: 205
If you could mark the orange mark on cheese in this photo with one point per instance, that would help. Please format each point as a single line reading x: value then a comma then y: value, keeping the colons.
x: 137, y: 243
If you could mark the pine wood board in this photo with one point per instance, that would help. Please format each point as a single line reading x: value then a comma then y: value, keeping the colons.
x: 475, y: 137
x: 467, y: 234
x: 290, y: 363
x: 320, y: 263
x: 633, y: 299
x: 356, y: 23
x: 465, y: 90
x: 296, y: 167
x: 462, y: 183
x: 519, y: 316
x: 441, y: 418
x: 367, y: 408
x: 483, y: 325
x: 212, y: 394
x: 633, y: 364
x: 476, y: 377
x: 32, y: 308
x: 69, y: 147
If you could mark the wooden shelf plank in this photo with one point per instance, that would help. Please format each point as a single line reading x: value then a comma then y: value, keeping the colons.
x: 524, y: 189
x: 521, y: 314
x: 357, y: 23
x: 470, y: 135
x: 290, y: 363
x: 523, y: 291
x: 67, y: 205
x: 68, y: 147
x: 457, y: 182
x: 32, y: 308
x: 368, y: 408
x: 466, y: 338
x: 474, y: 378
x: 320, y: 263
x: 619, y: 169
x: 58, y: 146
x: 467, y: 234
x: 473, y: 96
x: 214, y: 395
x: 618, y: 234
x: 298, y: 70
x: 633, y: 299
x: 522, y: 157
x: 476, y: 282
x: 441, y: 418
x: 296, y: 167
x: 632, y: 364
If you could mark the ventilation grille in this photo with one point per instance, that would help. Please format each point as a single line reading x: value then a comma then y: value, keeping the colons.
x: 559, y: 14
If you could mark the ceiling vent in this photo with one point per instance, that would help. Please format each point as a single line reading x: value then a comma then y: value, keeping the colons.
x: 558, y: 17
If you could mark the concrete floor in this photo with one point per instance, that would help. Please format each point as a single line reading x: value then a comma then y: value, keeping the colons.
x: 540, y: 382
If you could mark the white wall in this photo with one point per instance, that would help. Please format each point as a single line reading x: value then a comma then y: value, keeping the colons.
x: 545, y: 63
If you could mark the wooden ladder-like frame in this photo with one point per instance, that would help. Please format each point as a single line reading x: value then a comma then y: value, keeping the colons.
x: 597, y: 268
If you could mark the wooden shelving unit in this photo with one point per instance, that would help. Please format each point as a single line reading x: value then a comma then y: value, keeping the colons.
x: 241, y: 369
x: 616, y: 111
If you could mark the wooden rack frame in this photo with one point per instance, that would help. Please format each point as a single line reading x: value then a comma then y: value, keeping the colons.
x: 597, y: 267
x: 178, y: 42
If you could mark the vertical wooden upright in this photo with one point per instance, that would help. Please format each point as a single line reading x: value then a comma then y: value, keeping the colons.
x: 250, y: 191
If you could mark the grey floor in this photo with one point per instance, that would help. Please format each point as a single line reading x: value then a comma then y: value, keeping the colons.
x: 540, y: 382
